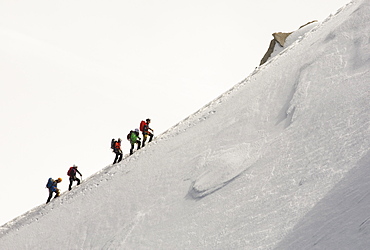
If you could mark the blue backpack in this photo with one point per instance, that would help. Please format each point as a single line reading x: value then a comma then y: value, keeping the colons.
x: 50, y: 183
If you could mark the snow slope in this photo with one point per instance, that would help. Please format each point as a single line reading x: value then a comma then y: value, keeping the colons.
x: 277, y: 162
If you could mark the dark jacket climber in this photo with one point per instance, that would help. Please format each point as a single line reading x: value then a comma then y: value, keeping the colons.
x: 72, y: 172
x: 146, y: 132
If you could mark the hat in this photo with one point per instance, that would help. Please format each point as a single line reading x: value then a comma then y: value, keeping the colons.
x: 136, y: 130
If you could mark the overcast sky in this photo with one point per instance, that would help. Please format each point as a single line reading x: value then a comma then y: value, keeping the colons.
x: 74, y: 74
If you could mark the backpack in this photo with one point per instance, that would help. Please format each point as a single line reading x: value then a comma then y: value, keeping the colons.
x: 129, y: 135
x: 49, y: 184
x: 71, y: 171
x: 112, y: 144
x: 142, y: 124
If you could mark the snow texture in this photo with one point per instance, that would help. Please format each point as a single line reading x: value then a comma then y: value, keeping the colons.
x: 280, y: 161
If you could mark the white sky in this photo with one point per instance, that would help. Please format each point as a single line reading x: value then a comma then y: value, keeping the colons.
x: 74, y: 74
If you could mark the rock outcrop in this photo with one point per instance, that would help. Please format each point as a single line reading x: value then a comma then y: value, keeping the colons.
x: 279, y: 38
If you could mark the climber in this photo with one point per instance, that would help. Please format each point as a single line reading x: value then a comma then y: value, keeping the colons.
x: 72, y: 172
x: 52, y: 186
x: 134, y: 138
x: 144, y: 127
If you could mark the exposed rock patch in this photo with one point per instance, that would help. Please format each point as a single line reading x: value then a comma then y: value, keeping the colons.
x: 280, y: 38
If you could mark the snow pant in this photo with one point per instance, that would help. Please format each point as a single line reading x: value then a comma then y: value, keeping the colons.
x: 51, y: 195
x: 71, y: 180
x: 133, y: 145
x: 118, y: 156
x: 145, y: 136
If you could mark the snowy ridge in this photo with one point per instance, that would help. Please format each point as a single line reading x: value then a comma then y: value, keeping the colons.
x: 297, y: 36
x: 192, y: 120
x: 253, y: 169
x: 202, y: 114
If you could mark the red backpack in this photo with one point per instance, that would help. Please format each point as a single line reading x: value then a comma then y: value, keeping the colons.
x: 142, y: 124
x: 71, y: 171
